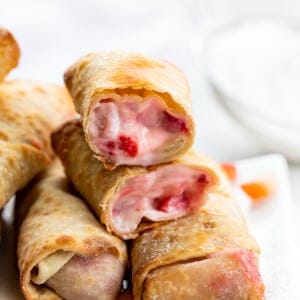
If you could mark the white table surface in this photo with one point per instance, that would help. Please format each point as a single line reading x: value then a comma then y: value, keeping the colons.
x: 52, y: 34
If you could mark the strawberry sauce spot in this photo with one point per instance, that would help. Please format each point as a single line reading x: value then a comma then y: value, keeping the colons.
x: 35, y: 143
x: 203, y: 178
x: 172, y: 124
x: 107, y: 100
x: 111, y: 145
x: 128, y: 145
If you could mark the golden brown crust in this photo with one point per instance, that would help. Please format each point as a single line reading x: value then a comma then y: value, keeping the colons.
x: 58, y: 220
x: 217, y: 226
x: 199, y: 279
x: 9, y: 52
x: 98, y: 185
x: 28, y: 113
x: 98, y: 74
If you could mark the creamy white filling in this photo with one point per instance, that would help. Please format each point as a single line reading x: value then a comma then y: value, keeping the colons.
x: 133, y: 130
x: 167, y: 193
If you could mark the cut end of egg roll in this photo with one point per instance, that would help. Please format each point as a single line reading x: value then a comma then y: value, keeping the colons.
x: 130, y: 199
x: 135, y: 110
x: 88, y: 277
x: 63, y: 252
x: 164, y: 194
x: 9, y: 52
x: 208, y: 255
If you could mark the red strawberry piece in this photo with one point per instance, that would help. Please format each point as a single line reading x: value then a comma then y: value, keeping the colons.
x: 128, y: 145
x: 172, y: 124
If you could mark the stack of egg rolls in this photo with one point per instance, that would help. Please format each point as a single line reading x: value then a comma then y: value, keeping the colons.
x: 128, y: 199
x: 210, y: 252
x: 63, y: 252
x: 129, y: 156
x: 191, y: 240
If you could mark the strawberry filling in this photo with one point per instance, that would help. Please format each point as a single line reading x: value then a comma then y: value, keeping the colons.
x: 167, y: 193
x: 172, y: 124
x: 128, y: 145
x: 133, y: 130
x: 168, y: 203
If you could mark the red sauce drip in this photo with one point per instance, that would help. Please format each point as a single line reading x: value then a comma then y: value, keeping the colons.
x: 203, y: 178
x: 128, y: 145
x: 172, y: 124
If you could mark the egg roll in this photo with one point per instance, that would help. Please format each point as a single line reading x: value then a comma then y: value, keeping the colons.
x: 208, y: 255
x: 63, y: 251
x: 9, y: 52
x: 130, y: 199
x: 29, y: 111
x: 135, y: 110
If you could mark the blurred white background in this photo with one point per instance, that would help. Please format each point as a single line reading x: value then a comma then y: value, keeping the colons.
x: 54, y: 33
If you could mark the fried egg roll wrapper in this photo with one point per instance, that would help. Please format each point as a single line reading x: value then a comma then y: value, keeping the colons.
x: 208, y: 255
x: 132, y: 199
x: 9, y: 52
x: 135, y: 110
x: 63, y: 251
x: 29, y: 111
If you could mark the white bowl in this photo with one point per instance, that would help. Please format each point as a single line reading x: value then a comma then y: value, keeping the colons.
x: 279, y: 131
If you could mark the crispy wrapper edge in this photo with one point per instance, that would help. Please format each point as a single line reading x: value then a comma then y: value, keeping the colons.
x: 57, y: 220
x: 9, y: 52
x: 98, y: 74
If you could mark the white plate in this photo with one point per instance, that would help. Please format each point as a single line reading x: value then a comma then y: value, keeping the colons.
x: 272, y: 224
x: 270, y: 221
